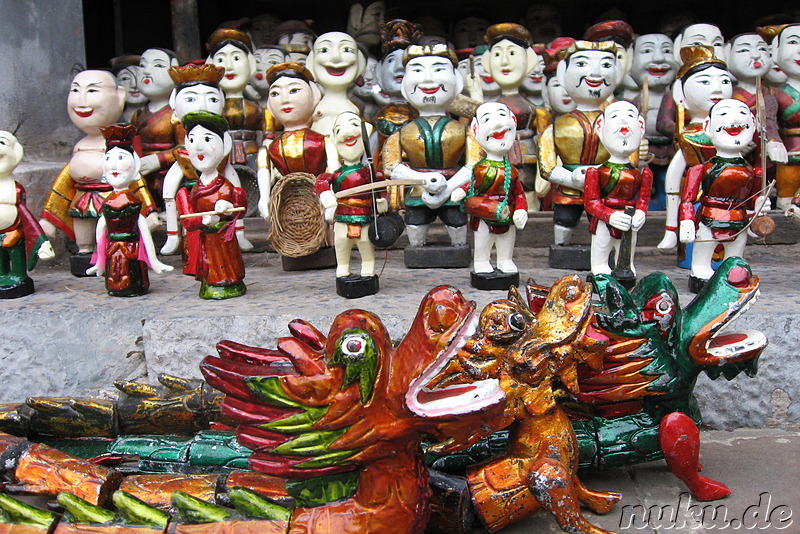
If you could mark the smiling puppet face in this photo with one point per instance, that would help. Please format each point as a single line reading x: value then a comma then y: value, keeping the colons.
x: 335, y: 60
x: 620, y: 129
x: 653, y: 59
x: 348, y: 138
x: 730, y: 125
x: 495, y: 129
x: 534, y: 82
x: 589, y: 76
x: 431, y: 83
x: 787, y: 53
x: 95, y: 100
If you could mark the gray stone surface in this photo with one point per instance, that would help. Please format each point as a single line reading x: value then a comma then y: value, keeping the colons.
x: 759, y: 466
x: 71, y: 338
x: 42, y: 42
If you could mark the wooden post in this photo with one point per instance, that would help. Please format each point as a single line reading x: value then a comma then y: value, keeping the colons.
x: 186, y: 30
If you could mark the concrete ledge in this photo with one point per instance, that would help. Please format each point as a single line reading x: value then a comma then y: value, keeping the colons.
x: 70, y: 338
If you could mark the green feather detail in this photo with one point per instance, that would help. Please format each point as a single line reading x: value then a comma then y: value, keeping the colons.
x: 79, y: 511
x: 194, y: 510
x: 322, y: 490
x: 299, y: 422
x: 135, y: 512
x: 19, y: 513
x: 326, y: 460
x: 310, y: 443
x: 270, y: 390
x: 257, y: 506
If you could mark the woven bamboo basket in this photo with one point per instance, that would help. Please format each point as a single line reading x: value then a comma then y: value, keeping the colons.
x: 298, y: 226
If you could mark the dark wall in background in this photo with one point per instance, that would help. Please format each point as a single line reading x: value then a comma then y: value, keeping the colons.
x: 140, y: 24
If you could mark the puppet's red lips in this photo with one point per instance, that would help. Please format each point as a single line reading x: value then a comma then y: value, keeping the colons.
x: 624, y: 130
x: 734, y: 130
x: 429, y: 90
x: 84, y: 112
x: 350, y: 141
x: 201, y: 157
x: 505, y: 72
x: 499, y: 135
x: 487, y: 79
x: 757, y: 64
x: 230, y: 76
x: 259, y: 76
x: 536, y: 79
x: 658, y: 71
x: 593, y: 83
x: 335, y: 72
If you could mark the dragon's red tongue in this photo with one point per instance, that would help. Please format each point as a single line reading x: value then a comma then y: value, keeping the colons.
x: 726, y: 339
x: 426, y: 396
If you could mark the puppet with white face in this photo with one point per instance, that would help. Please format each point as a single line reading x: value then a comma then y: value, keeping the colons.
x: 653, y: 64
x: 265, y: 57
x: 570, y: 145
x: 73, y: 205
x: 555, y: 97
x: 153, y: 123
x: 212, y: 207
x: 533, y: 84
x: 196, y: 89
x: 431, y: 148
x: 748, y: 59
x: 703, y: 80
x: 508, y: 60
x: 700, y: 34
x: 232, y: 50
x: 478, y: 83
x: 23, y: 240
x: 336, y: 63
x: 729, y: 189
x: 494, y: 198
x: 786, y: 53
x: 291, y: 99
x: 129, y: 76
x: 125, y: 247
x: 351, y: 215
x: 616, y: 185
